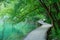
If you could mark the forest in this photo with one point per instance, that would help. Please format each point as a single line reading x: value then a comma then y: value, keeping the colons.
x: 19, y: 17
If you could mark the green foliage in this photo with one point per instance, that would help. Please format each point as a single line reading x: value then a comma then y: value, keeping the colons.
x: 18, y: 31
x: 23, y: 14
x: 59, y: 16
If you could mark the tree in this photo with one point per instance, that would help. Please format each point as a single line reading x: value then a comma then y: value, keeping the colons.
x: 32, y: 10
x: 52, y: 9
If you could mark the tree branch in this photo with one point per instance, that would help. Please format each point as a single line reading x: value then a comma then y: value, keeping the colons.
x: 48, y: 9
